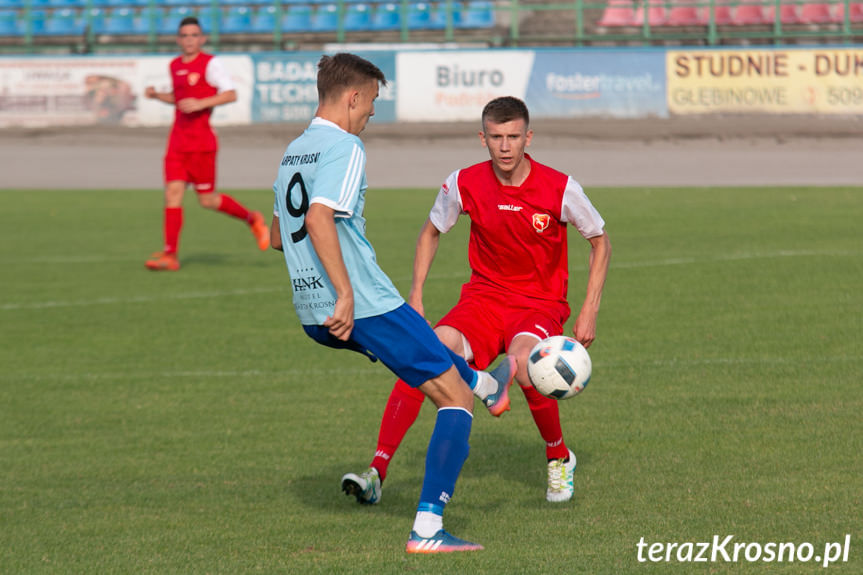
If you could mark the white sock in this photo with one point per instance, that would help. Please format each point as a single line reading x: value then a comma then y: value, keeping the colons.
x: 427, y: 523
x: 485, y: 384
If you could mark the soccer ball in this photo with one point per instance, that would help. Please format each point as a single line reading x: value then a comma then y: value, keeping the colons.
x: 559, y: 367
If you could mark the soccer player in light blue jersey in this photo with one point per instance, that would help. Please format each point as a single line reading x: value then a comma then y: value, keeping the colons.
x: 344, y: 300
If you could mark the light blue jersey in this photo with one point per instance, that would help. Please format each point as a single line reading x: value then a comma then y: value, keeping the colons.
x: 327, y: 165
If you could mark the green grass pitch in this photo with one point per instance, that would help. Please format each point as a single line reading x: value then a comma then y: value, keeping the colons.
x: 182, y: 423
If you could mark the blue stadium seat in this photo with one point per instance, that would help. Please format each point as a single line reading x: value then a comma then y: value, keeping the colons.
x: 326, y: 18
x: 419, y: 16
x: 386, y: 17
x: 264, y: 20
x: 477, y: 14
x: 36, y: 22
x: 358, y: 17
x: 119, y: 21
x: 93, y: 19
x: 36, y: 3
x: 297, y: 18
x: 11, y: 4
x: 63, y: 23
x: 9, y: 23
x: 238, y: 20
x: 210, y: 18
x: 142, y: 22
x: 171, y: 18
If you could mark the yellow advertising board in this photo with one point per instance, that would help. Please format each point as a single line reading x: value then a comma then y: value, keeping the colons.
x: 774, y: 81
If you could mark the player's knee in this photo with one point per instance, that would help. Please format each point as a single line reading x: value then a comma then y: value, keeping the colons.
x: 209, y: 200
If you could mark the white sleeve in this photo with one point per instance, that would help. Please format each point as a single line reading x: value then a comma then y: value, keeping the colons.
x: 578, y: 211
x: 447, y: 206
x: 217, y: 76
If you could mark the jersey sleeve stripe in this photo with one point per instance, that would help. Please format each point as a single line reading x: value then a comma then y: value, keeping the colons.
x: 351, y: 183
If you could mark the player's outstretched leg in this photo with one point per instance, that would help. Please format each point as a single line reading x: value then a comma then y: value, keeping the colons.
x: 560, y: 479
x: 494, y: 385
x: 366, y: 486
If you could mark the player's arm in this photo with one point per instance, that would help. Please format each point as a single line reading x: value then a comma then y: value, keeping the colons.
x: 427, y: 245
x: 166, y: 97
x: 584, y: 329
x: 189, y: 105
x: 219, y: 77
x: 275, y: 234
x: 321, y: 227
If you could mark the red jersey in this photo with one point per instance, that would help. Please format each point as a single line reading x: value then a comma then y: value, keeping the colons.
x: 517, y: 233
x: 192, y: 132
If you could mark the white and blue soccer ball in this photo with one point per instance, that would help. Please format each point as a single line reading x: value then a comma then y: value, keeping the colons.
x: 559, y: 367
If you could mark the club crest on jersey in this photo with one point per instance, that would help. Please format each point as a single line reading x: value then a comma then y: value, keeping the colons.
x: 193, y: 78
x: 541, y: 222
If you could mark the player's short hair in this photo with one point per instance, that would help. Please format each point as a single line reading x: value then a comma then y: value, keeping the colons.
x: 341, y: 71
x: 190, y: 21
x: 505, y: 109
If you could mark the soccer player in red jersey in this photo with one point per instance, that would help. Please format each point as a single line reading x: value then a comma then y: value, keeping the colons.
x: 517, y: 293
x: 200, y: 83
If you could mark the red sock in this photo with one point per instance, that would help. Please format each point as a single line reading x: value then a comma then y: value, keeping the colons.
x: 547, y: 418
x: 401, y: 411
x: 232, y: 207
x: 173, y: 223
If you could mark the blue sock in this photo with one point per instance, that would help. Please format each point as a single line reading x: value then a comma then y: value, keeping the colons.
x: 466, y: 372
x: 447, y: 452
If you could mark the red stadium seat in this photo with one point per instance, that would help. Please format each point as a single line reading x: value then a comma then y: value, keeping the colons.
x: 683, y: 13
x: 656, y: 15
x: 788, y: 14
x: 618, y: 13
x: 749, y: 13
x: 815, y: 14
x: 721, y: 14
x: 855, y: 13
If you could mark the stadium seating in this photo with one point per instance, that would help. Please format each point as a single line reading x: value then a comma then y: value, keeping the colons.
x: 750, y: 12
x: 788, y: 14
x: 210, y: 18
x: 119, y: 21
x: 36, y: 22
x: 62, y: 22
x: 722, y: 14
x: 683, y: 13
x: 386, y: 17
x: 617, y: 13
x: 264, y: 20
x: 476, y: 14
x: 170, y: 20
x: 656, y: 15
x: 326, y: 18
x: 855, y: 13
x: 419, y: 16
x: 297, y: 18
x: 238, y: 20
x: 9, y: 23
x: 816, y: 14
x: 357, y: 17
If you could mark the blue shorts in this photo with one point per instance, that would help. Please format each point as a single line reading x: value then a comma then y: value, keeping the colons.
x: 401, y: 339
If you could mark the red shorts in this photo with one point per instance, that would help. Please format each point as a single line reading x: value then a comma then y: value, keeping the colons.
x: 198, y: 168
x: 490, y: 319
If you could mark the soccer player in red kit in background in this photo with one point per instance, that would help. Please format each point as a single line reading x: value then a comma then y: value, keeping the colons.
x: 200, y: 83
x: 517, y: 294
